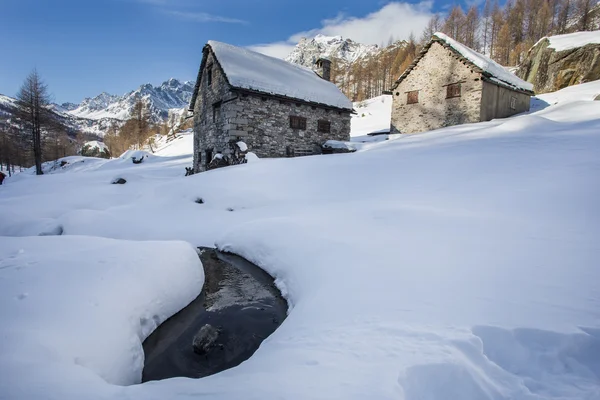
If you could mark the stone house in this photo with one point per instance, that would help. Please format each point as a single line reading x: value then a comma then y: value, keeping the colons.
x: 276, y: 108
x: 450, y: 84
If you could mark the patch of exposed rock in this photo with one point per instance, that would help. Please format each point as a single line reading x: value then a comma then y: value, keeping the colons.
x: 550, y: 70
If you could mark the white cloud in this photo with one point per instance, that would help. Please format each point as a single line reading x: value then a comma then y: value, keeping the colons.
x: 205, y: 17
x: 276, y: 49
x: 395, y: 19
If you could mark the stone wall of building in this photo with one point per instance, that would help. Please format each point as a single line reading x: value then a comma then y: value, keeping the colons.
x: 438, y: 68
x: 263, y: 122
x: 210, y: 135
x: 497, y: 102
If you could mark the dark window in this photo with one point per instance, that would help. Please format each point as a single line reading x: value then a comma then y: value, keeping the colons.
x: 209, y: 75
x: 453, y: 90
x: 323, y: 126
x: 297, y: 122
x: 216, y: 112
x: 412, y: 97
x: 208, y: 156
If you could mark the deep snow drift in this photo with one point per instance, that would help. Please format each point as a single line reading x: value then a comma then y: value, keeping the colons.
x: 460, y: 263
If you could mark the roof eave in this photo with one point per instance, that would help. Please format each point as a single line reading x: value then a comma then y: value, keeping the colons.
x: 498, y: 82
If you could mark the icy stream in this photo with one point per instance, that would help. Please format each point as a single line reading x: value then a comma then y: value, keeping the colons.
x: 238, y: 308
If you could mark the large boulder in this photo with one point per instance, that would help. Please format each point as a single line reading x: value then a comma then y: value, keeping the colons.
x: 558, y: 61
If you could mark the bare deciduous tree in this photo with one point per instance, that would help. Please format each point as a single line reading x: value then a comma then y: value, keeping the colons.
x: 33, y: 100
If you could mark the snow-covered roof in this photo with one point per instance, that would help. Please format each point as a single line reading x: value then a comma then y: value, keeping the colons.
x: 246, y: 69
x: 485, y: 63
x: 572, y: 40
x: 488, y: 67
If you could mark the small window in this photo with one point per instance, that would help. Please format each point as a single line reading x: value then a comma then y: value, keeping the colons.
x: 513, y: 103
x: 453, y: 90
x: 323, y: 126
x: 216, y: 112
x: 208, y: 156
x: 209, y: 75
x: 412, y: 97
x: 297, y: 122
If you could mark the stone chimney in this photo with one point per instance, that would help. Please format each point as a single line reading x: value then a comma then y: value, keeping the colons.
x: 324, y: 68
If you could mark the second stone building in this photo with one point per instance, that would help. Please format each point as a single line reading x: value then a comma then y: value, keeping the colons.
x: 451, y: 84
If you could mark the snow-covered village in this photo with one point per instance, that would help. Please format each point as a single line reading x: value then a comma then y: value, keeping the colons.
x: 339, y: 200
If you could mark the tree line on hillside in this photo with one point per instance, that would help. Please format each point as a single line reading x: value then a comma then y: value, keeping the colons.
x: 505, y: 34
x: 136, y: 133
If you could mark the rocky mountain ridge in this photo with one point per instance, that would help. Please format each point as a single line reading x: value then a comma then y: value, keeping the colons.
x: 162, y: 102
x: 308, y: 50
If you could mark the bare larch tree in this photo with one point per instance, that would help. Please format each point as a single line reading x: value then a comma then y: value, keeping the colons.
x: 33, y: 101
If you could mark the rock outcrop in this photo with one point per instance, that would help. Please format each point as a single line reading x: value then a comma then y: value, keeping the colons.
x: 550, y: 69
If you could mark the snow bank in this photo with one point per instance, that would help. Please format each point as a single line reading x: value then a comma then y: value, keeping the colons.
x: 72, y: 305
x: 459, y: 263
x: 486, y: 63
x: 573, y: 40
x: 247, y: 69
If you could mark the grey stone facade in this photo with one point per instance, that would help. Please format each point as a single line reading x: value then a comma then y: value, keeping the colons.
x: 438, y: 67
x: 224, y: 115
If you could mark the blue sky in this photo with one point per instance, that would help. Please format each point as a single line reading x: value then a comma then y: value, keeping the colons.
x: 85, y: 47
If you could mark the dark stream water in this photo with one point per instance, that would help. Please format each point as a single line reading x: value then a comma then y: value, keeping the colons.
x: 238, y: 299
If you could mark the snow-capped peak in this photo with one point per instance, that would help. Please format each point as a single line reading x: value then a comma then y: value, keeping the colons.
x: 159, y: 100
x: 308, y: 51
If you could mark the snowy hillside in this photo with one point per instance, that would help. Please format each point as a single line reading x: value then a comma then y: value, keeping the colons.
x: 308, y: 51
x: 372, y: 117
x: 170, y: 95
x: 460, y: 263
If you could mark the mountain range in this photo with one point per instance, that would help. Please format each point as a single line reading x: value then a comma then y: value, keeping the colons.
x: 308, y: 51
x: 95, y: 115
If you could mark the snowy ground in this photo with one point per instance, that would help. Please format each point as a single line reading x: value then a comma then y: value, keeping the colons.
x: 372, y: 116
x: 456, y: 264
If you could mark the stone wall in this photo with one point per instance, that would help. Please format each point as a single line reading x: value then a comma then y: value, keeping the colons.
x: 209, y: 135
x: 438, y: 68
x: 551, y: 70
x: 260, y: 121
x: 496, y: 102
x: 264, y: 124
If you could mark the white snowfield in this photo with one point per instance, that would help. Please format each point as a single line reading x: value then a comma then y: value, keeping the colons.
x: 372, y: 116
x: 573, y: 40
x: 247, y: 69
x: 486, y: 64
x: 460, y: 263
